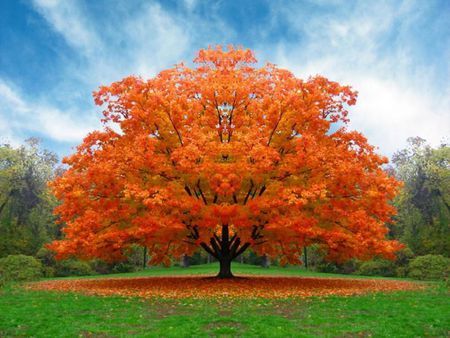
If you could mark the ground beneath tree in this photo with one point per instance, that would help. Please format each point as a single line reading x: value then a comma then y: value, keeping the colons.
x: 203, y: 287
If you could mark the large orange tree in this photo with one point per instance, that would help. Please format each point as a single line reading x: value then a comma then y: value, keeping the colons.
x: 225, y: 156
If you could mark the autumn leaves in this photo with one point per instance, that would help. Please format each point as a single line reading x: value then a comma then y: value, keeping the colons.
x: 201, y: 287
x: 225, y: 144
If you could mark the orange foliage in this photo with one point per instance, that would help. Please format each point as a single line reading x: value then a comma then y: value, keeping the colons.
x: 249, y: 287
x: 225, y: 156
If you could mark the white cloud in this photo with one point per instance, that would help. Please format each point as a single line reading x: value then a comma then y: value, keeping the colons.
x: 397, y: 98
x: 156, y: 40
x: 20, y: 117
x: 347, y: 43
x: 66, y: 18
x: 141, y: 42
x: 190, y: 4
x: 130, y: 42
x: 389, y: 113
x: 151, y: 39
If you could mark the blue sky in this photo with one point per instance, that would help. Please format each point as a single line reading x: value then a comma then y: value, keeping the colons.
x: 54, y: 53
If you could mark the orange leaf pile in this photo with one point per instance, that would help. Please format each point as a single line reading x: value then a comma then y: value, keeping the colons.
x: 206, y: 287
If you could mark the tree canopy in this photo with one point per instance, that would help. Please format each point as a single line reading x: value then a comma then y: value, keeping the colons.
x: 225, y: 156
x: 424, y: 202
x: 26, y: 204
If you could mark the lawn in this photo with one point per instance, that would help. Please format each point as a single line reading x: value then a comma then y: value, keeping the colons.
x: 50, y: 314
x: 212, y: 269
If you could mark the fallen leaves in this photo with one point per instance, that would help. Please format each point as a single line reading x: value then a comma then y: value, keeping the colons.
x: 207, y: 287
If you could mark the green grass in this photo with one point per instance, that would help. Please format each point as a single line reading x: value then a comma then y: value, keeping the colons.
x: 212, y: 270
x: 49, y: 314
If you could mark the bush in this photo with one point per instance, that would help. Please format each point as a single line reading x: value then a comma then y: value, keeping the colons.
x: 401, y: 271
x: 19, y: 268
x: 46, y: 256
x: 101, y: 267
x: 377, y: 268
x: 327, y: 267
x: 429, y: 267
x: 403, y: 256
x: 73, y: 267
x: 346, y: 268
x: 123, y: 267
x: 48, y: 271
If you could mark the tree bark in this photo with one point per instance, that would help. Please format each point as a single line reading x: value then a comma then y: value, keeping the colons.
x: 305, y: 257
x: 144, y: 258
x: 265, y: 261
x: 225, y: 249
x: 184, y: 261
x: 225, y: 268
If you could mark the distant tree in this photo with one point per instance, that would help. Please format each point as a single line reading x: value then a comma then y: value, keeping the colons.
x: 26, y: 204
x: 225, y: 156
x: 424, y: 202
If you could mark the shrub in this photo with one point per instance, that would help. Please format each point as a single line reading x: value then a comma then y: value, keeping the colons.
x: 403, y: 256
x: 401, y: 271
x: 19, y: 268
x: 124, y: 267
x: 379, y: 267
x: 327, y: 267
x: 101, y: 267
x: 72, y: 267
x: 46, y: 256
x: 48, y: 271
x: 348, y: 267
x: 429, y: 267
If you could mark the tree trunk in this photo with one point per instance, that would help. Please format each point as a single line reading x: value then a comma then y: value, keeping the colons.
x: 144, y: 258
x: 224, y: 249
x: 305, y: 257
x: 225, y: 268
x: 184, y: 261
x: 265, y: 261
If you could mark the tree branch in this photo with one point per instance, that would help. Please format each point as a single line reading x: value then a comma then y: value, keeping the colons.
x: 215, y: 246
x: 208, y: 250
x: 275, y: 128
x: 201, y: 193
x: 242, y: 249
x: 174, y: 127
x: 234, y: 247
x: 249, y: 192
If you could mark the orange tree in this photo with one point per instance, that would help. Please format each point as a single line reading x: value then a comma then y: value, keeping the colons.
x: 225, y: 156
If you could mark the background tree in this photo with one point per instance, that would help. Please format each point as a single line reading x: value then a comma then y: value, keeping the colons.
x: 424, y: 202
x: 26, y: 204
x: 225, y: 156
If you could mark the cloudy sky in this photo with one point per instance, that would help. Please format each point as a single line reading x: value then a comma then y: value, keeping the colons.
x: 54, y: 53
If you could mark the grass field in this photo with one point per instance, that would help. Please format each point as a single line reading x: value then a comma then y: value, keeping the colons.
x: 212, y: 269
x: 51, y: 314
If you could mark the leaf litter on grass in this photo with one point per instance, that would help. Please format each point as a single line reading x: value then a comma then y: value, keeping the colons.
x: 198, y: 287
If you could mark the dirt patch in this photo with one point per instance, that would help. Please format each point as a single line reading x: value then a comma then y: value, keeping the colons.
x: 250, y: 287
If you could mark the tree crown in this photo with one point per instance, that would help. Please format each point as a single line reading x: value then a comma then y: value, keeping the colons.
x: 225, y: 149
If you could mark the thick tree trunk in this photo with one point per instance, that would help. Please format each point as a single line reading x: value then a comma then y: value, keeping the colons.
x: 224, y: 248
x: 265, y: 261
x: 184, y: 261
x: 225, y: 269
x: 305, y: 257
x: 144, y: 258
